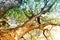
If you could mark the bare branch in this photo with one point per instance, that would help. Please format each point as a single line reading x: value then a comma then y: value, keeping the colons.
x: 49, y: 7
x: 47, y: 10
x: 45, y: 4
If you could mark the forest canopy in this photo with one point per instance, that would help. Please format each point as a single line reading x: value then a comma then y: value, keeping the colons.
x: 18, y: 14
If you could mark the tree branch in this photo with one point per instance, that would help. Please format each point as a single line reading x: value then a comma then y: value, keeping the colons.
x: 27, y: 16
x: 20, y: 31
x: 45, y: 4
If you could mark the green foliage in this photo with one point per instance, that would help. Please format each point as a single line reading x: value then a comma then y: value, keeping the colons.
x: 25, y: 11
x: 54, y: 7
x: 36, y: 0
x: 46, y: 19
x: 18, y: 14
x: 15, y: 15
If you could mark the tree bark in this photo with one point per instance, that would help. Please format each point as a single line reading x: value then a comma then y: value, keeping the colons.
x: 18, y: 32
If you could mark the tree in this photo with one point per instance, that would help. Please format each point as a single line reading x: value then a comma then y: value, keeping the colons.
x: 7, y: 5
x: 18, y: 32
